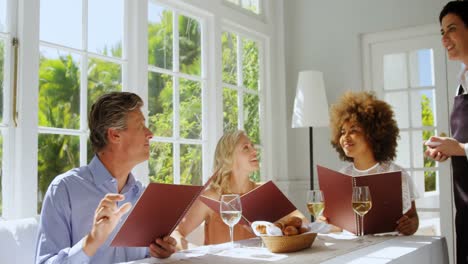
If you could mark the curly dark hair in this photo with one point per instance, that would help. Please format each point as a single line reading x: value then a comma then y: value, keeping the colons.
x: 376, y: 118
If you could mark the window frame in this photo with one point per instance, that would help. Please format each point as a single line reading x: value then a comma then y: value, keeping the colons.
x: 21, y: 195
x: 7, y: 126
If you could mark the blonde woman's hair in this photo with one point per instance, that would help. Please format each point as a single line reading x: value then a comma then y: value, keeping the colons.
x: 223, y: 161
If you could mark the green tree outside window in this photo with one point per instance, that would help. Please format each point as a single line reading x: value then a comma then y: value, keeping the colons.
x: 59, y: 103
x: 244, y: 98
x: 161, y: 97
x: 428, y: 120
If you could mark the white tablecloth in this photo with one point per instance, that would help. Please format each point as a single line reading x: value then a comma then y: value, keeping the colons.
x: 329, y: 249
x: 399, y: 250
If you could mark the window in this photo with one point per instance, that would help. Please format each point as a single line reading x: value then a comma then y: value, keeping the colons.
x: 160, y: 49
x: 409, y: 86
x: 250, y: 5
x: 175, y: 91
x: 80, y: 59
x: 241, y: 87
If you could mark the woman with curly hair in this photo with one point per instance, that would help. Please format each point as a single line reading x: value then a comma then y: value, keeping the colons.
x: 365, y: 133
x: 235, y: 159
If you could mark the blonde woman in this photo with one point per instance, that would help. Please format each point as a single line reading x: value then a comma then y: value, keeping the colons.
x: 235, y: 159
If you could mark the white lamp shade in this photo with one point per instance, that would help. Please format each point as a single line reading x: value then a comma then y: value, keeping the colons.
x: 310, y: 104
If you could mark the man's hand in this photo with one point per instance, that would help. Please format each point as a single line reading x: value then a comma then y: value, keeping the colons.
x: 106, y: 217
x: 407, y: 226
x: 163, y: 248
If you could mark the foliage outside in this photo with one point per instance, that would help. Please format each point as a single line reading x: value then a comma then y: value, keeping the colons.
x: 161, y: 94
x: 428, y: 120
x: 59, y: 104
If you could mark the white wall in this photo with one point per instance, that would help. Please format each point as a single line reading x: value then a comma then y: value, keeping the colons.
x: 325, y: 36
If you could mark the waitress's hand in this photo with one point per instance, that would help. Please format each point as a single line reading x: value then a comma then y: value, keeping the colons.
x: 446, y: 146
x: 435, y: 155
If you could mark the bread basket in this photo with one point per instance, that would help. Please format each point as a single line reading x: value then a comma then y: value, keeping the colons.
x: 285, y: 244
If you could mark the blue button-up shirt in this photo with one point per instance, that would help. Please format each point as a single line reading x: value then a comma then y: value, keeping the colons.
x: 68, y: 212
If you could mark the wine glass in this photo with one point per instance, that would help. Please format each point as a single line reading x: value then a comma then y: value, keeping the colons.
x: 362, y: 203
x: 231, y: 212
x: 315, y: 203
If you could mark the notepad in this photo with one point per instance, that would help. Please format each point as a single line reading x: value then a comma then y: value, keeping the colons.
x: 385, y: 189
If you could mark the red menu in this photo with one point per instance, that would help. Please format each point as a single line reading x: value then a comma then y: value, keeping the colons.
x: 264, y: 203
x: 385, y: 189
x: 156, y: 214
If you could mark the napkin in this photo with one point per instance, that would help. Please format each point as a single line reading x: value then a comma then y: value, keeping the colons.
x: 319, y: 227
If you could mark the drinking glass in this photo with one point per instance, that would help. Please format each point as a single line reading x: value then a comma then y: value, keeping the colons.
x: 315, y: 203
x: 362, y: 203
x: 231, y: 212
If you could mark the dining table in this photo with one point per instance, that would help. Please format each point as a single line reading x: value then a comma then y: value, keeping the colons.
x: 332, y: 248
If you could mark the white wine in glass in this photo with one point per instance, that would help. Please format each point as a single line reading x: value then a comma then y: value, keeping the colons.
x: 231, y: 212
x: 315, y: 203
x: 361, y: 208
x: 362, y: 203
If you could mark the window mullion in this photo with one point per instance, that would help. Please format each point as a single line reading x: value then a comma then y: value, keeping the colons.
x: 135, y: 69
x: 176, y: 96
x: 176, y: 129
x: 240, y: 80
x: 175, y: 41
x: 213, y: 100
x: 410, y: 116
x: 265, y: 134
x: 84, y: 85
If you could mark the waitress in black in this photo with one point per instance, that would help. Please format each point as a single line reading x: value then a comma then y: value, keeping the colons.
x: 454, y: 29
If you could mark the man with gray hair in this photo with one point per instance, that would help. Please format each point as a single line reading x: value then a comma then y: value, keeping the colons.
x: 83, y: 206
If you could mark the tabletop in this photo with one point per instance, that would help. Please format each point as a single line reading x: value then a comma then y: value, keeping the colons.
x: 327, y: 248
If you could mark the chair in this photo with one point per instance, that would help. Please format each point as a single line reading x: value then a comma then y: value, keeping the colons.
x: 18, y: 240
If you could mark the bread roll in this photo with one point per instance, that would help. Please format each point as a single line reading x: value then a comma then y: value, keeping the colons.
x: 303, y: 229
x: 294, y: 221
x: 261, y: 229
x: 290, y: 231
